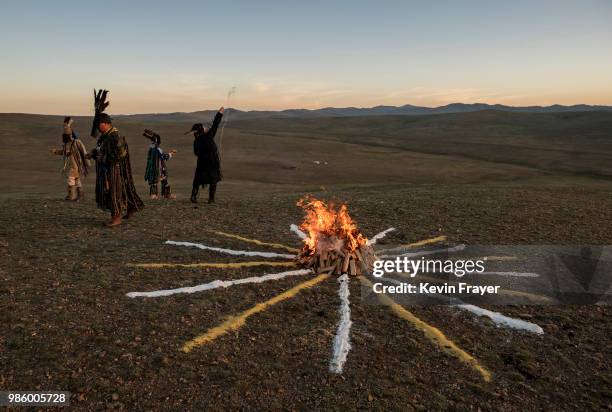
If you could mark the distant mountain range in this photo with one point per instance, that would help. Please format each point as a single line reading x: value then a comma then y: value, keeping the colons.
x: 327, y: 112
x: 370, y: 111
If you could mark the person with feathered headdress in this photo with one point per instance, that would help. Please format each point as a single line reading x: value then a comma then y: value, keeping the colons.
x: 115, y: 188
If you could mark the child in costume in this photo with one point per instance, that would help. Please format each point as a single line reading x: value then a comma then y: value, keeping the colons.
x: 76, y: 163
x: 157, y: 170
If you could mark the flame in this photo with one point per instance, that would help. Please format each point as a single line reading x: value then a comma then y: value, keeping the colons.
x: 328, y: 227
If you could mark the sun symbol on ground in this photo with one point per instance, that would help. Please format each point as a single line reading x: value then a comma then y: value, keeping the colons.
x: 332, y: 248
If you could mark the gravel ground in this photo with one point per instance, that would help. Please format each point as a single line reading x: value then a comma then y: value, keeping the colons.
x: 67, y: 324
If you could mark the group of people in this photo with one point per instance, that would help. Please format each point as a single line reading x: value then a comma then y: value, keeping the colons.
x: 115, y: 190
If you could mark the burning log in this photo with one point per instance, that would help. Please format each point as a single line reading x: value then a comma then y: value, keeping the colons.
x: 333, y: 244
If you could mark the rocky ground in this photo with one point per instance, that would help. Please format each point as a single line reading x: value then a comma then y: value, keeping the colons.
x: 67, y: 324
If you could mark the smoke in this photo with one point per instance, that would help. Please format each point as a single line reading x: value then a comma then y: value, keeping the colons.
x: 230, y: 93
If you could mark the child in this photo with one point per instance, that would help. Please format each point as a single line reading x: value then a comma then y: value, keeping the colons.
x: 156, y: 167
x: 76, y: 163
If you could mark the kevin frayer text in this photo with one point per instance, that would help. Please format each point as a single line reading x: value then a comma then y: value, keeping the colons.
x: 427, y: 288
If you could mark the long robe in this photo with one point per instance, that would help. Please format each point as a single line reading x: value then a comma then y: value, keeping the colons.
x: 208, y: 169
x: 114, y: 183
x: 156, y: 169
x: 76, y: 163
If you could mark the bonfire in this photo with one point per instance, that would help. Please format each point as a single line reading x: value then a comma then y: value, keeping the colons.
x: 333, y: 244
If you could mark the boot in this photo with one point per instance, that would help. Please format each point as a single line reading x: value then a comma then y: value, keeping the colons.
x: 153, y: 191
x: 194, y: 194
x: 115, y: 220
x: 71, y: 194
x: 166, y: 191
x: 80, y: 193
x: 212, y: 189
x: 130, y: 213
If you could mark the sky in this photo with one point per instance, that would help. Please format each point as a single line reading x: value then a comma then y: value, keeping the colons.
x: 159, y: 57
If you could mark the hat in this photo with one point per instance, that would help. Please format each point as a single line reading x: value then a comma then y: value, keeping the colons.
x: 197, y: 127
x: 151, y: 135
x: 104, y: 118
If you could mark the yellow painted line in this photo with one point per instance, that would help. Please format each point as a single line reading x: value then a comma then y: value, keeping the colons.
x: 423, y: 242
x: 432, y: 333
x: 499, y: 258
x: 257, y: 242
x: 237, y: 321
x: 232, y: 265
x: 427, y: 241
x: 533, y: 296
x: 490, y: 258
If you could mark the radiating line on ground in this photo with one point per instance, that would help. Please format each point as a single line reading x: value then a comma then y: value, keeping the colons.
x: 257, y: 242
x: 453, y: 249
x: 295, y: 229
x: 498, y: 258
x: 423, y: 242
x: 432, y: 333
x: 215, y: 284
x: 533, y: 296
x: 502, y: 320
x: 342, y: 344
x: 230, y: 251
x: 237, y: 321
x: 498, y: 318
x: 377, y: 237
x: 230, y: 265
x: 513, y: 274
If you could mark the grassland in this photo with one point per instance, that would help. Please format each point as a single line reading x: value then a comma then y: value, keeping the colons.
x: 478, y: 178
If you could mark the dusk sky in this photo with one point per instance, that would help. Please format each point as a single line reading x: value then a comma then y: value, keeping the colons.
x: 158, y: 56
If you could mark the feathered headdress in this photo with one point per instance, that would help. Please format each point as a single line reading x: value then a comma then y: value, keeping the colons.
x: 100, y: 104
x: 151, y: 135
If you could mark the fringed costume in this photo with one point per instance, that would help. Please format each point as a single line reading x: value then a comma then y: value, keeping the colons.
x: 115, y: 189
x: 208, y: 169
x: 76, y: 163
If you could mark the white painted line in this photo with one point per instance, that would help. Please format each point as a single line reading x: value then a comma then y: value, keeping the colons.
x: 231, y: 251
x: 379, y: 236
x: 218, y: 284
x: 503, y: 320
x: 297, y: 231
x: 342, y: 344
x: 497, y: 318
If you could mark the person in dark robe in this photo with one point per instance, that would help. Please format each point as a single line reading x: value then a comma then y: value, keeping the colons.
x: 208, y: 169
x: 115, y: 189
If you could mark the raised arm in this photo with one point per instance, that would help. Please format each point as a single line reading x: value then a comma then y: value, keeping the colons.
x: 216, y: 122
